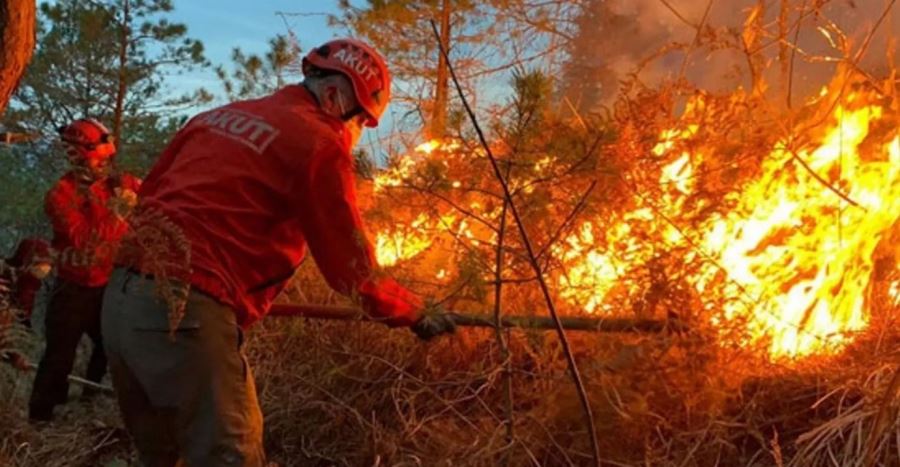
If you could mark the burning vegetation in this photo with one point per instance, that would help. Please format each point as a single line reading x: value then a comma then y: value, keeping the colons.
x: 772, y: 234
x: 786, y: 251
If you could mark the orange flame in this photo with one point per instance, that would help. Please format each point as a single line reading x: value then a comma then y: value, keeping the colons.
x: 796, y: 249
x: 406, y: 241
x: 800, y: 255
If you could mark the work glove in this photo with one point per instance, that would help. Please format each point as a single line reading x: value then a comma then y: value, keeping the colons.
x: 123, y: 202
x: 433, y: 323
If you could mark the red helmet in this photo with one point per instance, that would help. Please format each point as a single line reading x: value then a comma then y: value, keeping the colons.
x: 365, y: 68
x: 90, y: 137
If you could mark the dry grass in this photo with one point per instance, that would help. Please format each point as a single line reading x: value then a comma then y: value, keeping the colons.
x: 357, y: 394
x: 84, y: 433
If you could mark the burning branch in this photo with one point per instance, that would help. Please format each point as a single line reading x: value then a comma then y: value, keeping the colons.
x: 606, y: 325
x: 843, y: 196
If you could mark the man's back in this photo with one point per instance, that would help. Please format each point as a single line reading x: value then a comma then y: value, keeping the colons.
x: 243, y: 182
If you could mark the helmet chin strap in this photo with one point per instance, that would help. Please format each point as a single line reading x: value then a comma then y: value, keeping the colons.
x: 347, y: 115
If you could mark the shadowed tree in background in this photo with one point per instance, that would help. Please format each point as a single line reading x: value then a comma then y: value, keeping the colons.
x: 487, y: 39
x: 438, y: 125
x: 17, y: 18
x: 79, y: 70
x: 146, y: 41
x: 586, y: 77
x: 254, y: 75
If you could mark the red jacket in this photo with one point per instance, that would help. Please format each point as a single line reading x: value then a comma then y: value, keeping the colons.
x: 250, y: 185
x: 85, y: 230
x: 24, y: 284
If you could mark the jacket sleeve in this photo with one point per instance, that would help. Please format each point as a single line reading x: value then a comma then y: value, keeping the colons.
x: 68, y: 217
x: 78, y: 221
x: 334, y: 231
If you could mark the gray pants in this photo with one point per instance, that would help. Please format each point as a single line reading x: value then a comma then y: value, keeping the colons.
x: 192, y: 399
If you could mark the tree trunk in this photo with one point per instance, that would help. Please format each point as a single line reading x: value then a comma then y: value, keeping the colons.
x: 17, y: 23
x: 124, y: 37
x: 438, y: 125
x: 783, y: 56
x: 754, y: 29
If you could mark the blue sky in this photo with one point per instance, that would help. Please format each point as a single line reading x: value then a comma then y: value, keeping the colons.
x: 224, y: 24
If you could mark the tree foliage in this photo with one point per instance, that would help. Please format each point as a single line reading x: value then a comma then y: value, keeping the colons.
x: 76, y: 72
x: 255, y: 75
x: 23, y: 180
x: 400, y: 30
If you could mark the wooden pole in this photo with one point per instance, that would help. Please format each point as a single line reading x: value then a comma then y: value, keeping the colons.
x: 341, y: 313
x: 19, y: 361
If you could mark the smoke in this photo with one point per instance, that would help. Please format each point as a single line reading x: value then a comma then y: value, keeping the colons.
x: 615, y: 36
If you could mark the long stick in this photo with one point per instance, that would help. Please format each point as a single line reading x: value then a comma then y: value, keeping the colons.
x: 20, y: 362
x: 346, y: 313
x: 568, y: 323
x: 526, y: 241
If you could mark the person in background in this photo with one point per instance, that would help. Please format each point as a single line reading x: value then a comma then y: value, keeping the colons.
x: 86, y: 211
x: 23, y: 273
x: 21, y: 276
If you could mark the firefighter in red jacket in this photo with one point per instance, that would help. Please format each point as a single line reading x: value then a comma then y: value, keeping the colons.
x: 20, y: 278
x: 23, y: 272
x: 84, y: 208
x: 249, y: 186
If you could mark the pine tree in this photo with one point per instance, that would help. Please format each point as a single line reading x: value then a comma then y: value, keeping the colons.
x: 107, y: 60
x: 254, y: 75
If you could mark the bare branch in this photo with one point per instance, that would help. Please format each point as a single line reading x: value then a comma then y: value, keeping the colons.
x: 551, y: 307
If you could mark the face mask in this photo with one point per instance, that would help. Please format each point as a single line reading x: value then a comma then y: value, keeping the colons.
x: 85, y: 169
x: 354, y: 120
x: 89, y: 171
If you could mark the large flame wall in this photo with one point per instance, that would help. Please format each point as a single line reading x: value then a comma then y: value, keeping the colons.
x: 791, y: 260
